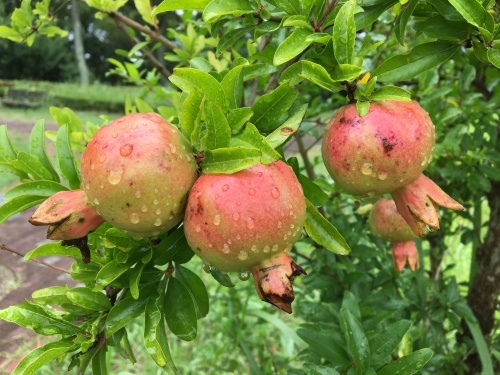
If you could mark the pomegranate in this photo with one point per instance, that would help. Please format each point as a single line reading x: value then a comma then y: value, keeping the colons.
x: 386, y: 151
x: 136, y: 174
x: 247, y: 222
x: 388, y: 224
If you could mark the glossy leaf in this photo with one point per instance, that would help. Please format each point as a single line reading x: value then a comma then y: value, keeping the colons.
x: 230, y: 160
x: 287, y: 129
x: 135, y: 279
x: 35, y: 188
x: 409, y: 364
x: 196, y: 288
x: 53, y: 295
x: 179, y: 310
x: 218, y: 130
x: 251, y: 138
x: 7, y: 149
x: 17, y: 205
x: 344, y: 33
x: 169, y: 247
x: 53, y: 248
x: 88, y: 299
x: 32, y: 166
x: 402, y: 21
x: 144, y: 9
x: 238, y: 117
x: 99, y: 365
x: 356, y: 340
x: 494, y: 57
x: 292, y: 46
x: 372, y: 13
x: 391, y: 93
x: 387, y: 340
x: 323, y: 344
x: 222, y: 278
x: 474, y: 13
x: 323, y: 232
x: 219, y: 8
x: 37, y: 148
x: 228, y: 39
x: 169, y: 5
x: 232, y: 83
x: 67, y: 163
x: 311, y: 71
x: 191, y: 113
x: 109, y: 273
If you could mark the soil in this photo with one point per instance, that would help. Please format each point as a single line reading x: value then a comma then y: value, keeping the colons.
x: 18, y: 278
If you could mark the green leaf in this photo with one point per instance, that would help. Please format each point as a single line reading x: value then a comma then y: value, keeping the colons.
x: 292, y: 46
x: 11, y: 34
x: 169, y: 247
x: 311, y: 71
x: 494, y: 57
x: 440, y: 27
x: 169, y: 5
x: 350, y: 302
x: 7, y: 149
x: 228, y: 39
x: 84, y: 271
x: 38, y: 318
x: 238, y: 117
x: 155, y: 336
x: 135, y: 279
x: 37, y: 148
x: 190, y: 113
x: 287, y: 129
x: 219, y: 8
x: 324, y: 344
x: 344, y: 33
x: 32, y: 166
x: 7, y: 167
x: 391, y: 93
x: 99, y: 365
x: 356, y: 340
x: 67, y: 163
x: 180, y: 312
x: 66, y: 116
x: 109, y: 273
x: 363, y: 107
x: 402, y: 21
x: 409, y: 364
x: 323, y: 232
x: 142, y: 106
x: 53, y: 248
x: 52, y: 31
x: 30, y: 364
x: 218, y: 130
x: 372, y: 13
x: 474, y: 13
x: 38, y: 188
x: 144, y: 9
x: 387, y: 340
x: 230, y: 160
x: 297, y: 21
x: 232, y: 83
x: 88, y: 299
x: 17, y: 205
x: 196, y: 288
x: 251, y: 138
x: 53, y: 295
x: 188, y: 78
x: 270, y: 108
x: 222, y: 278
x: 421, y: 58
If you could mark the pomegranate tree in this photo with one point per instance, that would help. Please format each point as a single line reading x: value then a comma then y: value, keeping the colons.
x: 386, y: 151
x: 136, y: 174
x: 388, y: 224
x: 247, y: 222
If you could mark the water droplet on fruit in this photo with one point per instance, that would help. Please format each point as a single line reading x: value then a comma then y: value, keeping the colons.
x: 155, y: 202
x: 238, y: 203
x: 217, y: 219
x: 101, y: 185
x: 134, y: 126
x: 242, y: 255
x: 371, y: 193
x: 92, y: 166
x: 114, y: 135
x: 423, y: 162
x: 289, y: 232
x: 197, y: 229
x: 157, y: 222
x: 382, y: 175
x: 96, y: 201
x: 285, y: 237
x: 366, y: 169
x: 275, y: 248
x: 115, y: 176
x: 156, y: 190
x: 207, y: 268
x: 87, y: 185
x: 229, y: 241
x: 251, y: 191
x: 172, y: 148
x: 225, y: 187
x: 250, y: 223
x: 275, y: 193
x: 158, y: 211
x: 126, y: 150
x: 238, y: 237
x: 226, y: 249
x: 291, y: 213
x: 244, y: 276
x: 280, y: 225
x: 236, y: 216
x: 137, y: 194
x: 288, y: 248
x: 254, y: 248
x: 102, y: 158
x: 267, y: 249
x: 134, y: 218
x: 144, y: 208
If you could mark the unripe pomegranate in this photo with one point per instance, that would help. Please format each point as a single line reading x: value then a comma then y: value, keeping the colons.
x: 248, y: 222
x: 386, y: 151
x: 136, y: 173
x: 388, y: 224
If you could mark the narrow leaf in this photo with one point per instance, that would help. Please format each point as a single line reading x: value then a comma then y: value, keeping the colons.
x: 196, y: 288
x: 88, y: 299
x: 292, y: 46
x: 67, y: 163
x: 230, y: 160
x: 344, y: 33
x: 218, y: 130
x: 169, y: 5
x: 53, y: 248
x: 180, y: 312
x: 17, y: 205
x: 356, y: 340
x: 287, y: 129
x: 38, y: 188
x: 37, y: 148
x: 409, y: 364
x: 218, y: 8
x: 387, y: 340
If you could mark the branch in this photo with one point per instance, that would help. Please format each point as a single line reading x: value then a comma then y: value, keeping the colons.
x: 328, y: 9
x: 6, y: 248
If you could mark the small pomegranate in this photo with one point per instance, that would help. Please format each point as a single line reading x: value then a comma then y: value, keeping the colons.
x: 386, y: 151
x: 388, y: 224
x: 136, y: 174
x: 248, y: 222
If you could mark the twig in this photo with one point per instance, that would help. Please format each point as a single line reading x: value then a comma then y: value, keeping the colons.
x: 34, y: 29
x: 303, y: 153
x: 328, y: 9
x: 6, y: 248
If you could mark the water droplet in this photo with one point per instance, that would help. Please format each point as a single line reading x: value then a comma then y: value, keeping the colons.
x: 292, y: 226
x: 172, y: 148
x: 114, y: 135
x: 423, y: 162
x: 242, y: 255
x: 156, y: 190
x: 289, y: 232
x: 238, y: 237
x: 401, y: 180
x: 134, y: 126
x: 210, y: 245
x: 238, y: 203
x: 244, y: 276
x: 155, y: 202
x: 288, y: 248
x: 157, y: 222
x: 126, y: 150
x: 134, y: 218
x: 102, y: 158
x: 291, y: 213
x: 207, y: 268
x: 251, y: 191
x: 275, y: 248
x: 87, y: 185
x: 254, y: 248
x: 158, y: 211
x: 225, y: 187
x: 366, y: 169
x: 96, y: 201
x: 217, y: 219
x: 229, y: 241
x: 250, y: 223
x: 382, y: 175
x: 282, y: 214
x: 371, y: 193
x: 101, y: 185
x: 144, y: 208
x: 92, y: 166
x: 226, y: 249
x: 236, y: 216
x: 267, y: 249
x: 285, y: 237
x: 115, y: 176
x: 275, y: 193
x: 137, y: 194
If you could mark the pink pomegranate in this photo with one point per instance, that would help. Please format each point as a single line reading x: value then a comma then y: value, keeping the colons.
x: 136, y: 174
x: 386, y: 151
x: 388, y: 224
x: 248, y: 222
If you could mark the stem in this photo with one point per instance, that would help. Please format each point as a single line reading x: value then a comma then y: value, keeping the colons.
x: 328, y: 9
x: 6, y: 248
x: 303, y: 153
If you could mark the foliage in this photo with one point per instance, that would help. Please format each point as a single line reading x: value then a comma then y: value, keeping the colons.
x: 252, y: 77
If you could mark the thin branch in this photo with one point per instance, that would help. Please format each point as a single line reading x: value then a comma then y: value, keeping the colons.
x: 303, y: 153
x: 34, y: 29
x: 6, y: 248
x: 328, y: 9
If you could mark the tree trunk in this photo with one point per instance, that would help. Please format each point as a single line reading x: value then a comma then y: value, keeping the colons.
x: 485, y: 287
x: 79, y: 49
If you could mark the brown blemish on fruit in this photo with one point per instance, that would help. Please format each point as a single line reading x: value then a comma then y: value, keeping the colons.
x: 387, y: 144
